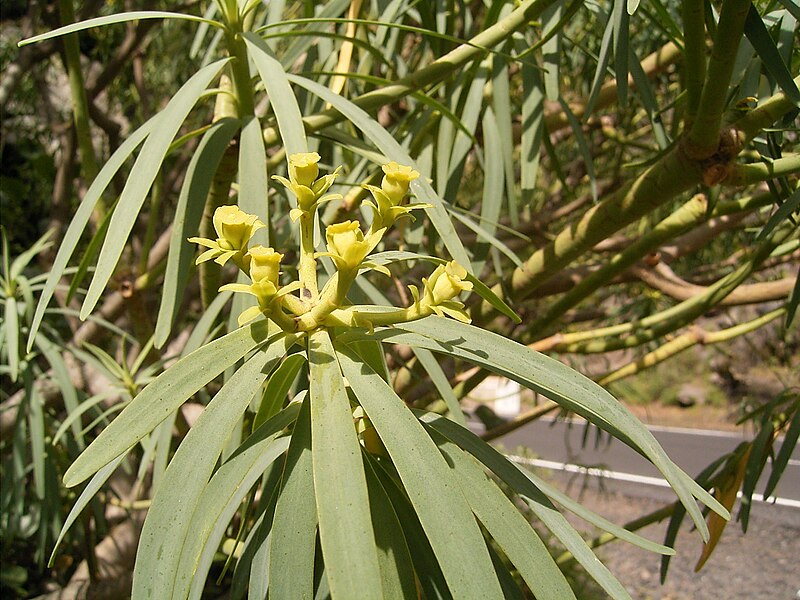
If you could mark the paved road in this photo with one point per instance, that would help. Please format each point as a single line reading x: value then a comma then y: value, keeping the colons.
x: 557, y: 443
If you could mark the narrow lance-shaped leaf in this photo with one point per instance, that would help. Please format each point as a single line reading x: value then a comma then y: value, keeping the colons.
x: 112, y: 19
x: 537, y: 501
x: 560, y: 383
x: 167, y: 522
x: 186, y: 222
x: 434, y: 492
x: 294, y: 529
x: 281, y: 96
x: 512, y: 532
x: 345, y: 527
x: 253, y: 177
x: 81, y: 218
x: 762, y: 42
x: 218, y: 503
x: 166, y: 393
x: 142, y: 175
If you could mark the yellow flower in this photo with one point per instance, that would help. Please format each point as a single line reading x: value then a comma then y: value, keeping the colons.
x: 447, y: 282
x: 346, y: 244
x: 395, y: 181
x: 265, y: 264
x: 303, y: 183
x: 303, y: 168
x: 234, y: 229
x: 441, y: 291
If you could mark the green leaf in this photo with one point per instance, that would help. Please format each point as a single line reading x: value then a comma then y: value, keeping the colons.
x: 281, y: 96
x: 217, y: 505
x: 186, y: 222
x: 142, y: 175
x: 253, y: 182
x: 430, y: 484
x: 166, y: 393
x: 94, y: 485
x: 440, y: 381
x: 532, y: 124
x: 11, y: 328
x: 501, y: 105
x: 762, y: 448
x: 764, y: 45
x: 593, y: 518
x: 112, y: 19
x: 426, y: 567
x: 512, y: 532
x: 35, y: 406
x: 278, y: 388
x: 784, y: 454
x: 394, y: 151
x: 559, y: 383
x: 480, y: 288
x: 537, y: 501
x: 68, y: 392
x: 90, y: 253
x: 167, y: 523
x: 294, y: 528
x: 397, y: 570
x: 787, y: 207
x: 24, y: 258
x: 345, y: 528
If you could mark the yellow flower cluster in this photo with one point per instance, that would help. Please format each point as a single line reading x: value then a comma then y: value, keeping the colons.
x: 347, y: 245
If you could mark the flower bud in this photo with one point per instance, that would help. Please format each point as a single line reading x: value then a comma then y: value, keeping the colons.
x: 396, y: 179
x: 234, y: 227
x: 346, y: 241
x: 265, y: 264
x: 446, y: 282
x: 303, y: 168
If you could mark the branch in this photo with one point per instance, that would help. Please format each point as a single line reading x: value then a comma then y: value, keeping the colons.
x: 687, y: 340
x: 703, y: 139
x: 664, y: 279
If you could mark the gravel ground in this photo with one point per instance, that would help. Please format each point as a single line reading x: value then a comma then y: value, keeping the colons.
x: 763, y: 564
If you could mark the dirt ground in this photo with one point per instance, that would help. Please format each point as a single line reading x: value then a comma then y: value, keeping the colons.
x: 761, y: 565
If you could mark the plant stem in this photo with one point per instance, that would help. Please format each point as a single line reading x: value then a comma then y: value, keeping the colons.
x: 686, y: 341
x: 762, y: 171
x: 703, y: 139
x: 629, y: 335
x: 694, y: 60
x: 682, y: 219
x: 308, y: 264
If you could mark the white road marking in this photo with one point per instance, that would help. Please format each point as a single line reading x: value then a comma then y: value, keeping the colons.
x: 630, y: 477
x: 664, y: 428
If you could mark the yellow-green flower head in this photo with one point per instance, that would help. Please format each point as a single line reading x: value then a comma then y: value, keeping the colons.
x: 396, y: 179
x: 346, y: 243
x: 235, y: 227
x: 265, y: 264
x: 303, y: 168
x: 447, y: 282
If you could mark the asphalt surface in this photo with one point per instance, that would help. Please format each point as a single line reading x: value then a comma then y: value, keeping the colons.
x: 559, y: 445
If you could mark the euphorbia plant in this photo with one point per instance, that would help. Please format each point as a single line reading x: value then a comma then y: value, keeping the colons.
x: 306, y: 438
x: 399, y: 499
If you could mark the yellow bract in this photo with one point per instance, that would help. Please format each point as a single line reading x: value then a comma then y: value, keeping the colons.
x: 265, y: 264
x: 346, y: 244
x: 234, y: 229
x: 303, y: 168
x: 396, y: 179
